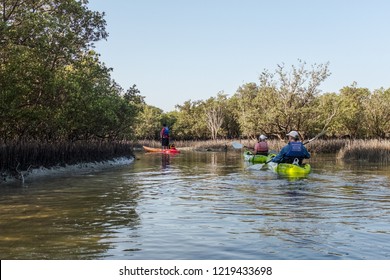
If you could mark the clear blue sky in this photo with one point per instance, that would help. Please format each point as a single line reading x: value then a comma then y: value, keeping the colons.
x: 190, y: 50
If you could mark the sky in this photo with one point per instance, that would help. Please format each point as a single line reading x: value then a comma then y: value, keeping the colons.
x: 175, y: 51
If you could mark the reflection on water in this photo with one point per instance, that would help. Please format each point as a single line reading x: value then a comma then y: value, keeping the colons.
x: 68, y: 218
x: 200, y: 206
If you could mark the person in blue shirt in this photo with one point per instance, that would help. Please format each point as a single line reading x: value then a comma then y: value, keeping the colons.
x: 292, y: 151
x: 164, y: 135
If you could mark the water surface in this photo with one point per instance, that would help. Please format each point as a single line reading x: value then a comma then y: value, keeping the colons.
x: 200, y: 206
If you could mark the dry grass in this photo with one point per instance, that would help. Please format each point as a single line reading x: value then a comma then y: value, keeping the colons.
x: 317, y: 146
x: 370, y: 151
x: 330, y: 146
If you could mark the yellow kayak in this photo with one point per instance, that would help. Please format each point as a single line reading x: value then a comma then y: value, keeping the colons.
x: 249, y: 156
x: 290, y: 170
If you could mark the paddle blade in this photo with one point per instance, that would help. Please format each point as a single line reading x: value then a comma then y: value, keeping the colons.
x: 256, y: 166
x: 237, y: 145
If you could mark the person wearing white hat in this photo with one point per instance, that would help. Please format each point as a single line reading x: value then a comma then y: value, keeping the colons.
x: 261, y: 147
x: 293, y: 150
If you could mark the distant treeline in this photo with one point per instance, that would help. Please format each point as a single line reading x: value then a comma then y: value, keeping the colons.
x: 275, y: 107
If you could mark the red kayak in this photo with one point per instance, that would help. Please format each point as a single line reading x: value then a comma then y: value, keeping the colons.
x: 157, y: 150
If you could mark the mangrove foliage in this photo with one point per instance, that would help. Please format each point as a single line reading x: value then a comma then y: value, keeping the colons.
x: 53, y: 85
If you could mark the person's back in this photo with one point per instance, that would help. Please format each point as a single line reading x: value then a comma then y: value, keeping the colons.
x: 261, y: 147
x: 296, y: 150
x: 164, y: 135
x: 292, y: 151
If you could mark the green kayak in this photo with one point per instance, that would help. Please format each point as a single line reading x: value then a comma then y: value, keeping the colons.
x: 290, y: 170
x: 249, y: 156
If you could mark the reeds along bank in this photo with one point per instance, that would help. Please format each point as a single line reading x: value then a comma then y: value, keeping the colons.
x: 370, y: 151
x: 22, y: 156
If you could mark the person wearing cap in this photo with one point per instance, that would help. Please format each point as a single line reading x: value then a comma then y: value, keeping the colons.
x: 293, y: 150
x: 261, y: 147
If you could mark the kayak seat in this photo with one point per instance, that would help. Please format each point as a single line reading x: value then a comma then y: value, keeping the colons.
x: 293, y: 160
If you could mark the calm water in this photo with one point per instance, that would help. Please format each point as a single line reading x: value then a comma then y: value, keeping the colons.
x: 200, y: 206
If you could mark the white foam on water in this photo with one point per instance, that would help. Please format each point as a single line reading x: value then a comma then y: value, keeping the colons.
x: 86, y: 167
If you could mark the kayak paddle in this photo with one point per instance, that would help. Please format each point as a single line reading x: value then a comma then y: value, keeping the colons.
x: 315, y: 137
x: 237, y: 145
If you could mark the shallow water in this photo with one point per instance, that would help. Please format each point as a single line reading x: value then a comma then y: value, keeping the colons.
x: 199, y: 206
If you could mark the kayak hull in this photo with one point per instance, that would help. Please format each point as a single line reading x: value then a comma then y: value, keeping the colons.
x: 290, y: 170
x: 158, y: 150
x: 248, y: 156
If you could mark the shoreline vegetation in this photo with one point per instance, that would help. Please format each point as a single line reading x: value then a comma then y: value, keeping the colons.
x: 17, y: 161
x: 370, y: 151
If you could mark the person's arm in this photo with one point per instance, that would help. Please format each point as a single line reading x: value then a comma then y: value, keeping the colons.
x: 279, y: 157
x: 307, y: 154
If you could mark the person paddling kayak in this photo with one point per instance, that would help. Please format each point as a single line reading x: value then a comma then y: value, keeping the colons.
x: 292, y: 151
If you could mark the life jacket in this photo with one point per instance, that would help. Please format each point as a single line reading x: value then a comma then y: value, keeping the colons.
x: 261, y: 147
x: 295, y: 151
x: 165, y: 132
